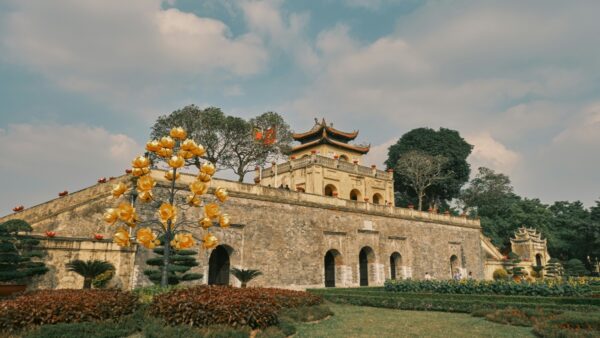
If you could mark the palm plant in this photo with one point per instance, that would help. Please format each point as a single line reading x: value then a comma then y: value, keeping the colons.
x: 245, y: 276
x: 89, y: 270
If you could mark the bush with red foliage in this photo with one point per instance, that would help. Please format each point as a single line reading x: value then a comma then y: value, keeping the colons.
x: 64, y: 306
x: 208, y: 305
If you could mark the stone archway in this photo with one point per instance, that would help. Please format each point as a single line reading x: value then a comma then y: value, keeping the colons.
x: 395, y: 265
x: 344, y: 158
x: 330, y: 190
x: 366, y: 259
x: 454, y: 265
x: 219, y: 265
x: 377, y: 198
x: 538, y: 260
x: 333, y: 259
x: 355, y: 195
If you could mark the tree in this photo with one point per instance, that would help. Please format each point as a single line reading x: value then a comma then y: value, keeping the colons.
x: 89, y: 270
x: 208, y: 127
x: 443, y: 142
x: 421, y: 171
x: 246, y: 152
x: 18, y: 252
x: 181, y: 262
x: 245, y: 276
x: 575, y: 268
x: 515, y: 270
x: 554, y: 269
x: 171, y: 203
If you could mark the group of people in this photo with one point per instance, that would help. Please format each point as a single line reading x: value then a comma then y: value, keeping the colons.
x: 456, y: 276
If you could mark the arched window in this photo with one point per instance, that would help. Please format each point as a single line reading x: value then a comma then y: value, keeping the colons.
x: 366, y: 261
x: 343, y: 158
x: 333, y: 259
x: 395, y: 265
x: 330, y: 189
x: 218, y: 265
x: 538, y: 260
x: 377, y: 199
x: 355, y: 195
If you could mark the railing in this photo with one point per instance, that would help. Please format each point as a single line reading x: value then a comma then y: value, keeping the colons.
x: 327, y: 163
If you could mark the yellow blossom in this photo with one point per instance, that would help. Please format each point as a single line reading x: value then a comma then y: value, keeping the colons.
x: 208, y: 168
x: 206, y: 222
x: 140, y: 162
x: 210, y: 241
x: 204, y: 177
x: 185, y: 154
x: 119, y: 189
x: 137, y: 172
x: 110, y: 216
x: 126, y: 212
x: 121, y: 237
x: 194, y: 200
x: 145, y: 183
x: 169, y: 175
x: 167, y: 142
x: 167, y: 212
x: 153, y: 146
x: 182, y: 241
x: 147, y: 238
x: 165, y: 152
x: 145, y: 196
x: 221, y: 194
x: 199, y: 150
x: 224, y: 221
x: 176, y: 162
x: 178, y: 133
x: 211, y: 210
x: 188, y: 145
x: 198, y: 187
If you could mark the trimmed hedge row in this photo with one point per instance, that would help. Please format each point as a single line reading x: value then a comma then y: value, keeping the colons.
x: 433, y: 303
x: 209, y: 305
x: 64, y: 306
x: 543, y: 288
x: 483, y: 297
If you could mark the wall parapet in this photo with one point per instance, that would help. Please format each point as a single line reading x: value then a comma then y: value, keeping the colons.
x: 307, y: 161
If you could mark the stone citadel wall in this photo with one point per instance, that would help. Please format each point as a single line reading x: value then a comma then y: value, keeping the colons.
x: 286, y: 235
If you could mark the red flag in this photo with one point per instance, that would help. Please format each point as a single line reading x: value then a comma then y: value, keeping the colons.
x: 270, y: 136
x: 258, y: 134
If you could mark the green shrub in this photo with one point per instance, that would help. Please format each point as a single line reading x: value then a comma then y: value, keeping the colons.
x: 19, y: 254
x: 102, y: 280
x: 569, y: 324
x: 500, y: 274
x: 208, y: 305
x: 181, y: 262
x: 64, y: 306
x: 146, y: 294
x: 575, y: 268
x: 527, y: 288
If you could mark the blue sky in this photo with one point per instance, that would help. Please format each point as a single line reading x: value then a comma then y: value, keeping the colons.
x: 82, y: 81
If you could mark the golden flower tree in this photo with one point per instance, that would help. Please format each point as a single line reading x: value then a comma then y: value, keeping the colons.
x: 177, y: 152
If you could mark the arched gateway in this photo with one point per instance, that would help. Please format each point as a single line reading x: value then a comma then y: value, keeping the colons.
x: 332, y: 258
x: 366, y: 257
x: 218, y: 266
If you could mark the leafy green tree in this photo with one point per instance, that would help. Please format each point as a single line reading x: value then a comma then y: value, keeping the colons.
x: 421, y: 171
x: 575, y: 268
x: 515, y: 270
x: 245, y: 276
x: 246, y: 152
x: 181, y: 262
x: 443, y: 142
x: 571, y: 230
x: 208, y: 127
x: 89, y: 270
x: 554, y: 269
x: 18, y: 252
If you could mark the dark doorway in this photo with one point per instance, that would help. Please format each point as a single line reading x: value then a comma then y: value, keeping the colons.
x: 538, y: 260
x: 218, y: 267
x: 329, y: 270
x: 453, y: 266
x: 395, y: 265
x: 365, y: 257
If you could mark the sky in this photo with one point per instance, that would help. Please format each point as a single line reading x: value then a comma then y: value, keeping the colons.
x: 82, y: 81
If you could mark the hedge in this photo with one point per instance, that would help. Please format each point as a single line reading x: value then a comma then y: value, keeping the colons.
x: 472, y: 297
x: 64, y: 306
x: 539, y: 288
x: 424, y: 303
x: 209, y: 305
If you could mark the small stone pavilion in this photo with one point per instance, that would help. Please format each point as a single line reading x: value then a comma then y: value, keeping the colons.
x: 326, y: 163
x: 530, y: 246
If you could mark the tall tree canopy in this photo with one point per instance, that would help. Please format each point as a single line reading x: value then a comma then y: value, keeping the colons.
x: 444, y: 142
x: 421, y: 171
x: 229, y: 140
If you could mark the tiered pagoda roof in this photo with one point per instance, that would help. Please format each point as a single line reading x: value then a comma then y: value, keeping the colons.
x: 526, y: 234
x: 321, y: 133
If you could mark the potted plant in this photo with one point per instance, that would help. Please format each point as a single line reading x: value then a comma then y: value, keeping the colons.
x: 17, y: 257
x: 50, y: 233
x: 98, y: 237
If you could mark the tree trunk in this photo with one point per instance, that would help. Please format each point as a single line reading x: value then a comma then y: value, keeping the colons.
x: 87, y: 283
x: 164, y: 278
x: 243, y: 284
x: 421, y: 201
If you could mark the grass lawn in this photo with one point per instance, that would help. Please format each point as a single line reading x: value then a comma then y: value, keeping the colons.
x: 360, y: 321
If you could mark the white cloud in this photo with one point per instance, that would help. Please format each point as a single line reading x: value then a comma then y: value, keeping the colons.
x: 41, y: 160
x: 124, y: 51
x: 488, y: 152
x: 378, y: 154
